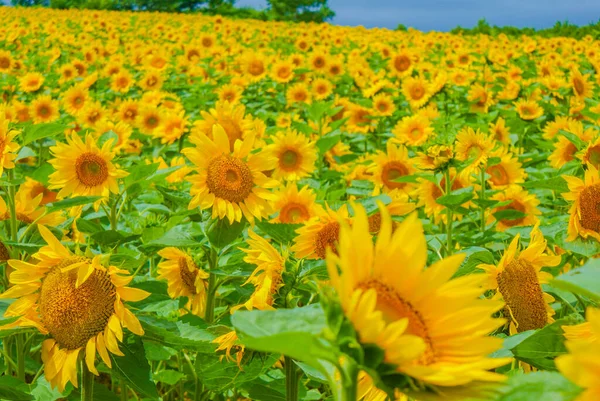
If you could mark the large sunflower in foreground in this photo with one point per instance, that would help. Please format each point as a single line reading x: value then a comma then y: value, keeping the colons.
x: 84, y: 169
x: 232, y: 183
x: 585, y: 211
x: 429, y: 326
x: 518, y: 278
x: 582, y: 364
x: 184, y: 279
x: 77, y: 302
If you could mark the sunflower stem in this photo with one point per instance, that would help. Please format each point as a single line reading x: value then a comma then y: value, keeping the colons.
x: 113, y: 215
x: 124, y: 396
x: 213, y: 262
x: 347, y: 390
x: 291, y: 379
x: 20, y: 357
x: 449, y: 221
x: 87, y: 383
x: 482, y: 198
x: 12, y: 210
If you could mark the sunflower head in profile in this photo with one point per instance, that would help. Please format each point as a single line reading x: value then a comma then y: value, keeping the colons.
x: 584, y: 213
x: 528, y: 109
x: 296, y: 155
x: 508, y: 171
x: 77, y: 302
x: 517, y: 279
x: 83, y: 168
x: 581, y: 364
x: 184, y: 279
x: 480, y: 98
x: 295, y: 205
x: 582, y: 86
x: 31, y: 82
x: 232, y: 183
x: 319, y: 234
x: 413, y: 313
x: 8, y: 147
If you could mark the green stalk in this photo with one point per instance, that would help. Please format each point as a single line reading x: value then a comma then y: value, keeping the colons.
x: 12, y: 207
x: 482, y: 198
x: 113, y: 215
x: 124, y: 396
x: 87, y: 383
x: 20, y: 357
x: 291, y: 380
x: 449, y: 245
x: 348, y: 391
x: 213, y: 262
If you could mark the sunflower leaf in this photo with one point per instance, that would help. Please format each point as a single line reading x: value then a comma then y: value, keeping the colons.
x: 71, y: 202
x: 134, y: 367
x: 39, y: 131
x: 582, y: 281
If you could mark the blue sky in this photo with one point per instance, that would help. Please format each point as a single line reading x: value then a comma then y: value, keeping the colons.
x: 442, y: 15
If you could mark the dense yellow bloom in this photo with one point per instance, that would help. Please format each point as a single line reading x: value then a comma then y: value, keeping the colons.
x: 417, y: 321
x: 296, y: 155
x: 584, y: 213
x: 474, y: 146
x: 295, y: 206
x: 77, y: 302
x: 521, y: 203
x: 8, y: 147
x: 230, y: 117
x: 319, y: 234
x: 413, y: 130
x: 389, y: 166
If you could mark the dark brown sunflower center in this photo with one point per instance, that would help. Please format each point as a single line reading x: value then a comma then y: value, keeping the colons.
x: 4, y: 254
x: 188, y: 272
x: 326, y: 238
x: 589, y: 204
x: 294, y: 213
x: 4, y: 63
x: 289, y: 160
x: 498, y: 174
x: 74, y: 315
x: 579, y: 86
x: 229, y: 178
x: 402, y: 63
x: 375, y: 223
x: 91, y: 169
x: 520, y: 288
x: 393, y: 308
x: 256, y: 67
x: 417, y: 92
x: 392, y: 171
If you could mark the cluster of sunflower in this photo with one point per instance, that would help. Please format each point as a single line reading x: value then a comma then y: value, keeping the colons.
x: 228, y: 209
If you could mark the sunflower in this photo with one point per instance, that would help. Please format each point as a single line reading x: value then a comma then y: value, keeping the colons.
x: 84, y: 169
x: 520, y: 201
x: 582, y: 87
x: 172, y: 126
x: 6, y: 61
x: 8, y: 147
x: 528, y: 109
x: 44, y: 109
x: 180, y: 173
x: 389, y: 166
x: 564, y: 151
x: 121, y: 129
x: 383, y: 105
x: 428, y: 192
x: 232, y: 183
x: 584, y: 218
x: 31, y: 82
x: 295, y: 206
x: 475, y: 146
x: 318, y: 61
x: 77, y: 302
x: 401, y: 64
x: 231, y: 118
x: 591, y: 154
x: 184, y: 279
x: 266, y: 278
x: 30, y: 209
x: 152, y: 80
x: 517, y: 279
x: 148, y: 120
x: 416, y: 90
x: 298, y: 93
x: 435, y: 157
x: 499, y: 131
x: 413, y: 130
x: 322, y: 88
x: 230, y: 93
x: 480, y: 98
x: 508, y: 171
x: 128, y: 111
x: 360, y: 119
x: 91, y: 114
x: 33, y: 188
x: 581, y: 364
x: 227, y: 342
x: 296, y: 155
x: 282, y: 71
x: 122, y: 81
x: 253, y: 65
x: 419, y: 320
x: 74, y: 99
x: 319, y: 233
x: 399, y: 206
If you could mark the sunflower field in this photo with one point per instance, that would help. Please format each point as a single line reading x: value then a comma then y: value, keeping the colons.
x: 202, y: 208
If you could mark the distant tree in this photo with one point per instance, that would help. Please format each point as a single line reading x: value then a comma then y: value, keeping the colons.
x: 300, y: 10
x: 29, y: 3
x: 401, y: 27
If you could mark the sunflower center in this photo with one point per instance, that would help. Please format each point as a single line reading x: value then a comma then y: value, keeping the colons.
x: 188, y: 272
x: 392, y: 171
x: 402, y: 63
x: 498, y: 174
x: 256, y: 67
x: 393, y: 308
x: 284, y: 72
x: 589, y: 204
x: 4, y: 254
x: 579, y: 86
x: 375, y: 223
x: 294, y: 213
x: 74, y: 315
x: 319, y: 62
x: 91, y: 169
x: 300, y: 95
x: 514, y: 205
x: 569, y: 151
x: 289, y: 160
x: 44, y: 111
x: 229, y: 178
x: 4, y: 63
x: 326, y: 238
x: 520, y: 288
x: 415, y: 133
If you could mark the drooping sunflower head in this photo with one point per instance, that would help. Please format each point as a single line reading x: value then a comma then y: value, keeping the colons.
x: 296, y: 155
x: 418, y: 320
x: 84, y: 169
x: 518, y: 278
x: 582, y: 87
x: 584, y: 213
x: 529, y: 109
x: 231, y: 183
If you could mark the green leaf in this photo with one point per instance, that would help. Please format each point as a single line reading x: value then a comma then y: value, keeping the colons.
x: 9, y: 392
x: 509, y: 214
x: 540, y: 348
x: 557, y: 184
x: 168, y: 376
x: 222, y: 233
x: 42, y: 391
x: 328, y: 141
x: 39, y: 131
x: 585, y: 247
x: 134, y: 367
x: 71, y: 202
x: 584, y: 280
x: 456, y: 198
x: 139, y: 173
x: 188, y: 332
x: 536, y: 386
x: 475, y: 256
x: 283, y: 233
